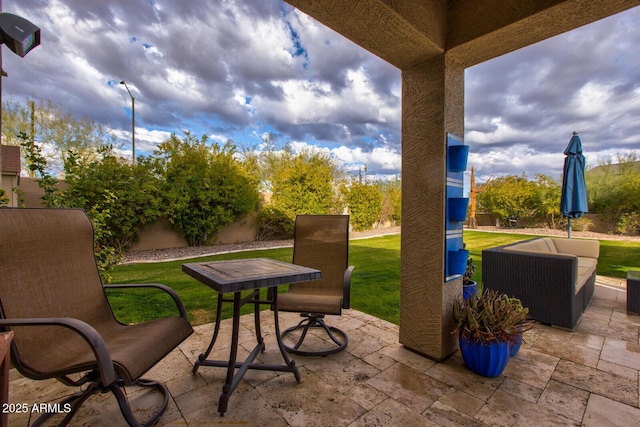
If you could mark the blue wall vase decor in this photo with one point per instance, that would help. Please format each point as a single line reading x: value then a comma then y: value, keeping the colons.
x: 458, y: 208
x: 458, y: 261
x: 458, y: 155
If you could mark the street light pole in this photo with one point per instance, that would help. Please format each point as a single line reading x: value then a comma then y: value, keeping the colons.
x: 133, y: 122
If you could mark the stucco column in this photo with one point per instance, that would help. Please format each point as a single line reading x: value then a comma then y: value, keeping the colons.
x: 432, y: 105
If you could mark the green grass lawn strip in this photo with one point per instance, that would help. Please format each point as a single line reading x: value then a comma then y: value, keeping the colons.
x: 375, y: 287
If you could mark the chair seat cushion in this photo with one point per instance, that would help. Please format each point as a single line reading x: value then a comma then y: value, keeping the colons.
x: 302, y: 303
x: 145, y: 344
x: 137, y: 347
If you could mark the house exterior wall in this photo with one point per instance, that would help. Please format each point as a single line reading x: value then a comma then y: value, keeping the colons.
x: 10, y: 171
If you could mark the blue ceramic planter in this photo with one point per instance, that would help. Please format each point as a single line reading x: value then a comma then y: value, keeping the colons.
x: 457, y: 261
x: 515, y: 346
x: 486, y: 360
x: 458, y: 155
x: 468, y: 290
x: 458, y: 208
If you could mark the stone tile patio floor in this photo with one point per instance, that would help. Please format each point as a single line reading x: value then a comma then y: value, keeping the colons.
x: 587, y: 377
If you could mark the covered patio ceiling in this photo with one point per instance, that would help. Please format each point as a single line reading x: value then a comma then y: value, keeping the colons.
x: 409, y: 32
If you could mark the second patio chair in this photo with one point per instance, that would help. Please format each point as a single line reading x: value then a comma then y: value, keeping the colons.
x: 320, y: 242
x: 52, y: 298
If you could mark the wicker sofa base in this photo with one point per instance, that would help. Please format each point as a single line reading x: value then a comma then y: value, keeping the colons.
x: 545, y: 283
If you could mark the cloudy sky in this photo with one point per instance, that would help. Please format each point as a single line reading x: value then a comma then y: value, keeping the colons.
x: 235, y: 69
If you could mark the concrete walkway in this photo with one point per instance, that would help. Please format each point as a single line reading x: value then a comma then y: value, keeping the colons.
x: 587, y: 377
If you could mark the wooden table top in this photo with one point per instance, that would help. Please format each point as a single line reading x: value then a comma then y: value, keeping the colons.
x: 246, y: 274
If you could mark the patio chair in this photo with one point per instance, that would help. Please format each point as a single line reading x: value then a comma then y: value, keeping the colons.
x: 52, y: 297
x: 320, y: 242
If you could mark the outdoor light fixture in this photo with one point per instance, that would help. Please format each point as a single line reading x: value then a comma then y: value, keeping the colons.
x: 18, y: 34
x: 133, y: 122
x: 21, y: 36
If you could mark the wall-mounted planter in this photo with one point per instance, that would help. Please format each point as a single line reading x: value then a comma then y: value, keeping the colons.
x: 458, y: 208
x: 457, y: 261
x: 458, y: 155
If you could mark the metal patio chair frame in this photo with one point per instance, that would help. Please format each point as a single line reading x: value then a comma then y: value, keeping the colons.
x: 52, y: 297
x: 320, y: 242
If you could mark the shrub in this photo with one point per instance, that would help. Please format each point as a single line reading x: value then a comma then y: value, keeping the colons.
x: 628, y: 223
x: 106, y: 256
x: 130, y: 193
x: 365, y: 204
x: 205, y: 187
x: 273, y: 222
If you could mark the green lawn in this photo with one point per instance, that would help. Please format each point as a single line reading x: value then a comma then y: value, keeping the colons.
x: 375, y: 287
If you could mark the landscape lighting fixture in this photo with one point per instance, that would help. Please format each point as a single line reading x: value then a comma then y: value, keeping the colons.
x: 20, y: 35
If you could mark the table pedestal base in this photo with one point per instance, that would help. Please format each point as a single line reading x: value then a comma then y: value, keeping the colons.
x: 236, y: 370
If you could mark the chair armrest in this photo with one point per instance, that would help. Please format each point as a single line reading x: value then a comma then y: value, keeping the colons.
x: 86, y: 331
x: 346, y: 287
x: 167, y: 289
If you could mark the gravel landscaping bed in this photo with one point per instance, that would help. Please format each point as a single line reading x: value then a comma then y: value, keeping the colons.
x: 198, y: 251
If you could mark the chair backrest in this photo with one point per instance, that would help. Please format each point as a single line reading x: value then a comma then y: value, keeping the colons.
x: 322, y: 242
x: 48, y: 269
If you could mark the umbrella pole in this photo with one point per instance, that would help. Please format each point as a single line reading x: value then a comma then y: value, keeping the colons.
x: 569, y: 228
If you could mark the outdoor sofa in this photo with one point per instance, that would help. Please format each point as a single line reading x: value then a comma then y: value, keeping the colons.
x: 553, y: 277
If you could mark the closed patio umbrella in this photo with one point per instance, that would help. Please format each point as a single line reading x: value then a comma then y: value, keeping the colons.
x: 573, y: 201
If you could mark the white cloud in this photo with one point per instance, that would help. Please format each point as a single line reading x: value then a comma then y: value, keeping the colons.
x: 381, y: 162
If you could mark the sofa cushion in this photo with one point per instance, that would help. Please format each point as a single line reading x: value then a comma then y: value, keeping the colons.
x: 544, y: 245
x: 579, y: 247
x: 589, y: 263
x: 586, y: 267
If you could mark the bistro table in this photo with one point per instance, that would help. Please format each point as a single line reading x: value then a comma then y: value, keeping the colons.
x: 235, y: 276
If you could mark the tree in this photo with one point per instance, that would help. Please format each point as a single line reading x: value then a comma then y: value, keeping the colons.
x: 548, y: 199
x: 508, y: 197
x: 391, y: 201
x: 364, y: 200
x: 205, y: 186
x: 365, y: 205
x: 106, y: 256
x: 302, y: 183
x: 56, y: 131
x: 613, y: 190
x: 130, y: 192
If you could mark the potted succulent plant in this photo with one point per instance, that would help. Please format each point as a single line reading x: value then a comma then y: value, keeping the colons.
x: 514, y: 346
x: 488, y: 326
x: 469, y: 287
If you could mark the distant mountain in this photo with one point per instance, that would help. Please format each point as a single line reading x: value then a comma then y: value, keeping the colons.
x: 614, y: 168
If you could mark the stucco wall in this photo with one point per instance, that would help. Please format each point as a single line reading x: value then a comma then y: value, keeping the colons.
x: 161, y: 236
x: 158, y: 235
